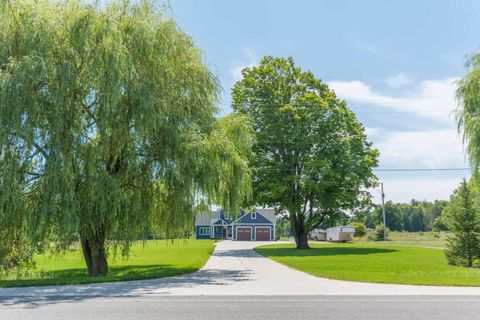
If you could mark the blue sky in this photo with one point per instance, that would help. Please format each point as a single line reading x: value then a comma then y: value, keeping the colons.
x: 394, y: 62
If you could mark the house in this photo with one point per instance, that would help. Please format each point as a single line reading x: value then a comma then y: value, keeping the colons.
x: 340, y: 234
x: 256, y: 225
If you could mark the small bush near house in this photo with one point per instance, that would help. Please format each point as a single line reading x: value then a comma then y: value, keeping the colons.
x: 360, y: 229
x: 377, y: 234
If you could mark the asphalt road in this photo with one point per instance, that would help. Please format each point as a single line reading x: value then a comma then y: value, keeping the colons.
x: 242, y: 307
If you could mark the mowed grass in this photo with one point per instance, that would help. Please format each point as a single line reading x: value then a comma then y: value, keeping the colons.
x: 374, y: 263
x: 152, y: 259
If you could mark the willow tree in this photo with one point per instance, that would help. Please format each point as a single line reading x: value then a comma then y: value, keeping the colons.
x: 468, y: 112
x: 107, y: 125
x: 311, y: 157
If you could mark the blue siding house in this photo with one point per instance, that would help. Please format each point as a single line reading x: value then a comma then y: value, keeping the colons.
x: 256, y: 225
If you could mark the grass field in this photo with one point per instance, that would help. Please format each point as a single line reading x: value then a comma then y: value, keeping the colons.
x: 154, y: 259
x: 382, y: 263
x: 417, y: 239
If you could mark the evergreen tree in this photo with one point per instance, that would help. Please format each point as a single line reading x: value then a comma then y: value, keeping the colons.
x: 463, y: 243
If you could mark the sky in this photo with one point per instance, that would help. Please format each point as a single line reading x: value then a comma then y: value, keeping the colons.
x: 394, y: 62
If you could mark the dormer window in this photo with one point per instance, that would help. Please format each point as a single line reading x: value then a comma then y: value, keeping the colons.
x: 254, y: 215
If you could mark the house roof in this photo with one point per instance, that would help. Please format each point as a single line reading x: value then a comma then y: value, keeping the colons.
x: 268, y: 214
x: 205, y: 218
x: 213, y: 217
x: 218, y: 222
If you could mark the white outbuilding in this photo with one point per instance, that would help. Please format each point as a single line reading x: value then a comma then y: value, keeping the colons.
x: 318, y: 234
x: 340, y: 234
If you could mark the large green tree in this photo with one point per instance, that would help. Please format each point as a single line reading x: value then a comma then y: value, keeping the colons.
x: 311, y: 157
x: 107, y: 126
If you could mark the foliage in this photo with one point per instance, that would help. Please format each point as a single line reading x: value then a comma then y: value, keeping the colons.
x: 463, y: 241
x: 311, y: 157
x: 15, y: 252
x: 283, y: 228
x: 412, y: 217
x: 107, y: 126
x: 374, y: 263
x: 377, y: 234
x: 150, y: 259
x: 467, y: 114
x: 440, y: 223
x: 360, y: 229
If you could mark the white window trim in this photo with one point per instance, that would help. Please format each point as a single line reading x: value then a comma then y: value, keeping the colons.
x: 253, y: 215
x: 203, y: 231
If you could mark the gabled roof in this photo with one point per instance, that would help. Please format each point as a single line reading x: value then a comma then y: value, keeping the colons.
x: 205, y: 218
x: 214, y: 217
x: 268, y: 213
x: 263, y: 216
x: 218, y: 222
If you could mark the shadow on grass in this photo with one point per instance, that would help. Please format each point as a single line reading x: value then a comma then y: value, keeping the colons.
x: 117, y: 273
x: 326, y: 251
x: 164, y: 278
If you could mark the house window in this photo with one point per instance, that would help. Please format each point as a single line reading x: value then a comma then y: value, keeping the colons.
x: 204, y: 231
x: 254, y: 215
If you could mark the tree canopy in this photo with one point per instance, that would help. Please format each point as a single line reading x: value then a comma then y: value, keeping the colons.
x: 107, y: 126
x: 411, y: 217
x: 311, y: 157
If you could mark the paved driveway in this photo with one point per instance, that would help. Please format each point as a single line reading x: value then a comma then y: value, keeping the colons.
x: 235, y: 269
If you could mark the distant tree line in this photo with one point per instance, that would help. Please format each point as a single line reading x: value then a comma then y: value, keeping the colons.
x: 414, y: 216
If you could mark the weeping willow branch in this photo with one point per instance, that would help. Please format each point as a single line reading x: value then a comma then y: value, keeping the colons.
x: 122, y: 109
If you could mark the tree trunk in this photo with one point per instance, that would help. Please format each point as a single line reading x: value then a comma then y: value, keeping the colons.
x: 469, y: 259
x: 95, y: 256
x: 299, y: 232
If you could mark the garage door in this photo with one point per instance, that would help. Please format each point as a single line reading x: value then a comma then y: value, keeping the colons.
x: 262, y: 233
x: 244, y: 233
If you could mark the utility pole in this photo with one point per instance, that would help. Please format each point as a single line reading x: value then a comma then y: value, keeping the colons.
x: 383, y: 211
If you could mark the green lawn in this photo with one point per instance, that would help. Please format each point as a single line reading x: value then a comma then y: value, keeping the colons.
x: 374, y: 263
x: 153, y: 259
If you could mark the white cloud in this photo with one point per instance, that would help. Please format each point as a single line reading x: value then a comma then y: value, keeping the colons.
x: 372, y: 132
x: 428, y: 149
x: 422, y: 188
x: 433, y: 99
x: 399, y: 80
x: 430, y: 146
x: 421, y: 149
x: 249, y: 61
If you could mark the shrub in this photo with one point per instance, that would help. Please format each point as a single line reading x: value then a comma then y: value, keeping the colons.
x: 440, y: 223
x: 377, y: 234
x: 360, y: 229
